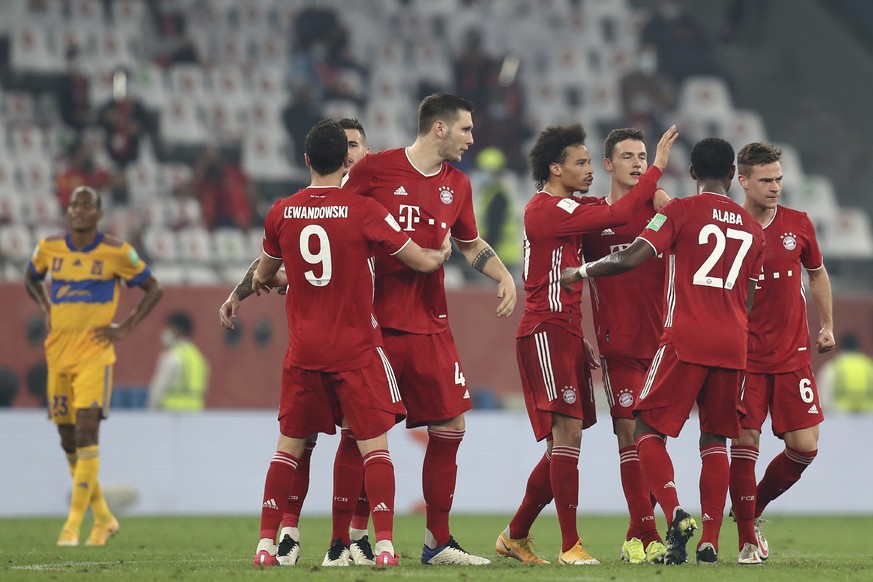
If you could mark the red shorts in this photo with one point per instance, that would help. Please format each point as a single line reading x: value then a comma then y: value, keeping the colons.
x: 622, y: 381
x: 672, y: 387
x: 791, y: 398
x: 314, y: 402
x: 429, y: 375
x: 555, y: 378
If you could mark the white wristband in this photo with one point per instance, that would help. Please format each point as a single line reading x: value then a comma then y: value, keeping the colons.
x: 583, y: 271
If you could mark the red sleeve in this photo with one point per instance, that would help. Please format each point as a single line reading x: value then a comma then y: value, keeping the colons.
x: 271, y: 235
x: 810, y: 255
x: 664, y: 226
x: 576, y: 216
x: 381, y: 228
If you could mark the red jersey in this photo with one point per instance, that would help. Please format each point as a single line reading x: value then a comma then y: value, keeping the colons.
x: 552, y: 242
x: 778, y: 332
x: 713, y: 247
x: 426, y: 207
x: 628, y: 308
x: 326, y: 237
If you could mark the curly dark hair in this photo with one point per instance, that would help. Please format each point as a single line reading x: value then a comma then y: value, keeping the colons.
x: 712, y: 158
x: 551, y: 148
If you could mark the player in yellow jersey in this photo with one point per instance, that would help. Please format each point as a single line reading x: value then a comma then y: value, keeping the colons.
x: 79, y: 299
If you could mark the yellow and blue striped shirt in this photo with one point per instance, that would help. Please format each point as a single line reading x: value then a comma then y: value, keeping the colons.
x: 83, y: 289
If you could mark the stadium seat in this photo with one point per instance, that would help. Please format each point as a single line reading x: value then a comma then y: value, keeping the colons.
x: 188, y: 81
x: 265, y: 156
x: 27, y: 142
x: 8, y: 175
x: 231, y: 245
x: 848, y: 236
x: 818, y: 199
x: 32, y: 52
x: 161, y: 244
x: 743, y: 127
x: 195, y: 245
x: 16, y: 243
x: 12, y: 209
x: 794, y: 176
x: 36, y: 175
x: 150, y: 85
x: 18, y: 107
x: 182, y: 123
x: 43, y: 208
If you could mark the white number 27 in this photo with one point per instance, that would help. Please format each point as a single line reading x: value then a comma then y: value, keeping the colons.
x: 702, y: 276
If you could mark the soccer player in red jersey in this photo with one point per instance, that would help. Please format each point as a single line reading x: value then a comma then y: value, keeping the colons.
x: 335, y: 368
x: 550, y: 347
x: 430, y: 199
x: 714, y: 251
x: 350, y: 510
x: 626, y: 350
x: 778, y: 373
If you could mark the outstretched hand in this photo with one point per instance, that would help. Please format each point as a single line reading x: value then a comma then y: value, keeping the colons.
x: 569, y: 276
x: 662, y: 154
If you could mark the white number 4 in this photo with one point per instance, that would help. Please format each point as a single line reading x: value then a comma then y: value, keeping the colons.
x: 702, y: 276
x: 459, y: 375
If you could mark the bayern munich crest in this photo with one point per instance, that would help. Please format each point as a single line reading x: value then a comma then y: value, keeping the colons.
x: 447, y: 195
x: 626, y: 398
x: 789, y: 242
x: 569, y: 395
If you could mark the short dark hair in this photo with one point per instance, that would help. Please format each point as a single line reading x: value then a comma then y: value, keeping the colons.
x: 327, y: 147
x: 98, y: 200
x: 616, y: 136
x: 353, y: 123
x: 757, y: 153
x: 712, y: 158
x: 182, y: 322
x: 551, y: 148
x: 440, y: 106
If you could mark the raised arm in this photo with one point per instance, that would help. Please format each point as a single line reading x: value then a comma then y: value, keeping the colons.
x: 483, y: 258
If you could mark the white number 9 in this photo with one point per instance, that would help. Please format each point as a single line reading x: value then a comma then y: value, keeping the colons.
x: 322, y: 255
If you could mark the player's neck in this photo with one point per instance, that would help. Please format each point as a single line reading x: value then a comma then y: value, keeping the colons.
x: 82, y: 239
x: 555, y: 188
x: 617, y: 193
x: 762, y: 214
x: 424, y: 156
x: 319, y: 181
x: 711, y: 186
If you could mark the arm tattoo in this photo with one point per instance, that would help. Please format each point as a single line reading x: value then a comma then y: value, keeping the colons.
x: 244, y: 288
x: 482, y: 259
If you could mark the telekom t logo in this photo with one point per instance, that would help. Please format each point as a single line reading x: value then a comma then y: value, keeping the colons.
x: 409, y: 217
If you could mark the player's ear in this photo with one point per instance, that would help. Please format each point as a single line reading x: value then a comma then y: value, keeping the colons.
x: 306, y: 160
x: 607, y: 164
x: 555, y: 169
x: 693, y: 172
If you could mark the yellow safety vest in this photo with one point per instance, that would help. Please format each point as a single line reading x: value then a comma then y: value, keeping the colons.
x: 853, y: 382
x: 508, y: 248
x: 188, y: 392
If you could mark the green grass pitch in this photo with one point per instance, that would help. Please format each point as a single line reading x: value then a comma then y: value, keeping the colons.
x: 220, y: 548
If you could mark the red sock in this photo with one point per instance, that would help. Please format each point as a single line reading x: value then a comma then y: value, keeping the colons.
x: 280, y: 477
x: 714, y: 478
x: 439, y: 474
x: 361, y: 517
x: 299, y: 489
x: 379, y: 477
x: 642, y: 516
x: 657, y: 469
x: 743, y: 491
x: 783, y: 472
x: 348, y: 475
x: 537, y: 495
x: 564, y: 476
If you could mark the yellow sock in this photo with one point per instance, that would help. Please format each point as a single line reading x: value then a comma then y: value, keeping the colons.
x: 84, y: 480
x: 98, y: 503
